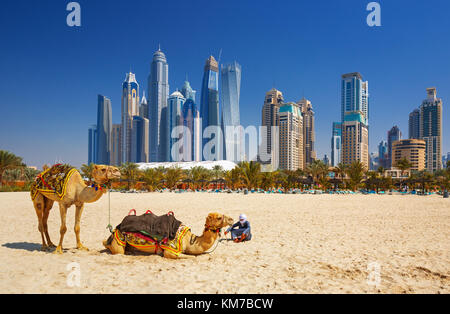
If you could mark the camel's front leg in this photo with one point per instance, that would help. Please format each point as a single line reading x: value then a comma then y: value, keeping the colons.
x: 168, y: 254
x: 63, y: 229
x: 78, y: 212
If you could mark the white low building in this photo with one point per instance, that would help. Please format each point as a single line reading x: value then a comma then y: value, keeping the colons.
x: 225, y: 164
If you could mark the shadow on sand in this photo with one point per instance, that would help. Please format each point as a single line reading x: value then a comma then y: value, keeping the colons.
x: 31, y: 247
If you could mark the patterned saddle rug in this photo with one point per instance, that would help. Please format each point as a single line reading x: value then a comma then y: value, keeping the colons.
x: 53, y: 180
x: 143, y: 242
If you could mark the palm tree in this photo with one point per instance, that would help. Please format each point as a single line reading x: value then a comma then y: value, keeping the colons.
x: 129, y: 172
x: 424, y: 178
x: 233, y: 177
x: 355, y: 172
x: 173, y: 176
x: 153, y: 178
x: 319, y: 171
x: 250, y: 173
x: 9, y: 161
x: 403, y: 164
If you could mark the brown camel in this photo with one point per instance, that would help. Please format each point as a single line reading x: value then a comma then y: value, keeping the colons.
x: 191, y: 244
x: 77, y: 193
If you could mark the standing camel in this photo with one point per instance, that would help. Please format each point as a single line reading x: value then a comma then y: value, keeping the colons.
x: 190, y: 244
x: 76, y: 193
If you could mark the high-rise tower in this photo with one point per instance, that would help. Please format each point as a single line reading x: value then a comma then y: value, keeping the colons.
x: 209, y: 106
x: 158, y: 94
x: 230, y: 91
x: 431, y: 129
x: 104, y: 129
x: 272, y: 102
x: 130, y: 108
x: 309, y: 135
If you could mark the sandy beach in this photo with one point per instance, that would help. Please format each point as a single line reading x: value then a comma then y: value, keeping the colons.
x: 301, y: 244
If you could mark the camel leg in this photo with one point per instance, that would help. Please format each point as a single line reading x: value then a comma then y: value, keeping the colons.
x: 63, y: 229
x: 168, y: 254
x: 47, y: 208
x: 39, y: 208
x: 78, y: 212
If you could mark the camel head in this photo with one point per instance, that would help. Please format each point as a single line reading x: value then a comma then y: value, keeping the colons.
x: 216, y: 221
x: 102, y: 174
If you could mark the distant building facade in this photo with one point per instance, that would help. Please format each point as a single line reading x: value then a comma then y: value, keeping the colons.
x: 355, y: 139
x: 175, y: 108
x: 272, y: 102
x: 92, y: 144
x: 116, y: 145
x: 414, y: 124
x: 104, y: 128
x: 139, y: 140
x: 394, y: 134
x: 130, y: 108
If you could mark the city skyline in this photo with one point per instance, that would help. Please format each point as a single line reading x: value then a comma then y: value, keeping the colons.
x: 410, y: 66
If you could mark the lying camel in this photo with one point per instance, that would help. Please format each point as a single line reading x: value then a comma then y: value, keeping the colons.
x: 190, y: 244
x: 76, y: 193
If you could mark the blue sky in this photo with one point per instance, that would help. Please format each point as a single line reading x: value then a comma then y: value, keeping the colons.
x: 50, y: 74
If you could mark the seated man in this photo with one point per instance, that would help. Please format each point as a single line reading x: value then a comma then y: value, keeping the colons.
x: 243, y: 231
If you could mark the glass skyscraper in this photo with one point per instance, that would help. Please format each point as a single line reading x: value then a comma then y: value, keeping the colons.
x: 158, y: 94
x: 176, y: 101
x: 230, y: 92
x: 130, y: 108
x: 104, y: 129
x: 336, y: 144
x: 431, y: 129
x: 192, y: 139
x: 209, y: 106
x: 139, y: 140
x: 355, y: 96
x: 393, y: 135
x: 414, y: 124
x: 92, y: 144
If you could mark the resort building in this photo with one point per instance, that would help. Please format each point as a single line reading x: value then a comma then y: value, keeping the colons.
x: 413, y: 150
x: 431, y: 130
x: 290, y: 122
x: 158, y: 94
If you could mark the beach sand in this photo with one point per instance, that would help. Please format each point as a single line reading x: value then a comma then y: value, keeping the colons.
x: 301, y: 244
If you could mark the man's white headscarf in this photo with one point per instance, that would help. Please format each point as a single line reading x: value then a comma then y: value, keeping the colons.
x: 242, y: 218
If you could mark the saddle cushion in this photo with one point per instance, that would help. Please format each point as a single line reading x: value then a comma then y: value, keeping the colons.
x: 53, y: 180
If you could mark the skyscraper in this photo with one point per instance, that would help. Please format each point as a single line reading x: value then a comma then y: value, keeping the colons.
x: 355, y: 96
x: 393, y: 135
x: 383, y: 154
x: 192, y: 137
x: 272, y: 102
x: 104, y: 128
x: 116, y: 145
x: 414, y: 124
x: 355, y: 139
x: 130, y: 108
x: 175, y: 108
x: 158, y: 93
x: 92, y: 144
x: 230, y: 91
x: 143, y: 108
x: 139, y: 140
x: 309, y: 135
x: 431, y: 130
x: 336, y: 144
x: 209, y: 106
x: 290, y: 122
